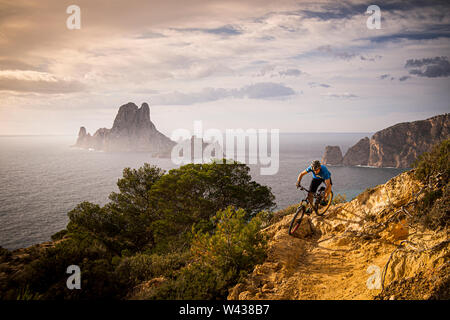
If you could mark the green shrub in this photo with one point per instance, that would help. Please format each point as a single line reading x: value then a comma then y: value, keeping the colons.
x: 47, y: 275
x: 59, y: 235
x: 278, y: 215
x: 435, y: 162
x: 221, y: 258
x: 26, y: 294
x: 155, y: 211
x: 5, y: 254
x: 195, y: 192
x: 433, y: 211
x: 195, y: 282
x: 339, y: 198
x: 235, y: 244
x: 433, y: 168
x: 142, y: 267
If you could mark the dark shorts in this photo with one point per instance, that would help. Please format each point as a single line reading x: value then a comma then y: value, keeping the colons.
x: 315, y: 183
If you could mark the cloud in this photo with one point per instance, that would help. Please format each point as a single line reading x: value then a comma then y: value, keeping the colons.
x: 270, y: 71
x: 364, y: 58
x: 290, y: 72
x: 227, y: 30
x: 150, y: 35
x: 408, y: 36
x: 37, y: 82
x: 14, y: 64
x: 429, y: 67
x: 347, y: 10
x: 340, y: 54
x: 146, y: 91
x: 388, y: 76
x: 315, y: 84
x: 266, y: 38
x: 262, y: 90
x: 266, y: 90
x: 345, y: 53
x: 180, y: 98
x: 211, y: 51
x: 344, y: 95
x: 423, y: 62
x: 332, y: 11
x: 266, y: 70
x: 198, y: 70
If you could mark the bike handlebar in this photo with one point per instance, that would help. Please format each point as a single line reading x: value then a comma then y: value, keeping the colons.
x: 302, y: 188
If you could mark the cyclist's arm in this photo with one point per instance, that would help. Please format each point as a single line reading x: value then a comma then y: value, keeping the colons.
x: 300, y: 176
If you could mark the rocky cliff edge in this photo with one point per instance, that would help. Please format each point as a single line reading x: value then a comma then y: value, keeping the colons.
x: 397, y: 146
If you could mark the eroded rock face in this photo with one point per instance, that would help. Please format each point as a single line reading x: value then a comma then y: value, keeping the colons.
x: 332, y: 155
x: 400, y: 145
x: 358, y: 155
x: 132, y: 131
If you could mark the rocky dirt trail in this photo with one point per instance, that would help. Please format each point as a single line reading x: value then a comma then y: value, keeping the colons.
x: 343, y: 254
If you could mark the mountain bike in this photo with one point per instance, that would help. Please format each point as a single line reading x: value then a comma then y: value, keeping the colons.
x: 320, y: 206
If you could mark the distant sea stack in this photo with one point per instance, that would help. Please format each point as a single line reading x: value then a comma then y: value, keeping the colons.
x: 132, y: 131
x: 358, y: 155
x: 332, y: 156
x: 397, y: 146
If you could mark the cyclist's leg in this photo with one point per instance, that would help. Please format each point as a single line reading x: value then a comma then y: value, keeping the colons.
x: 315, y: 183
x: 331, y: 185
x: 324, y: 199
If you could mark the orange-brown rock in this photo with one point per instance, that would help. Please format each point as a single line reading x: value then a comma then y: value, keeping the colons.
x: 398, y: 146
x: 332, y: 155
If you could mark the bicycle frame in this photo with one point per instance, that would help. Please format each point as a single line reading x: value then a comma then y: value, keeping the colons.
x: 316, y: 195
x: 295, y: 223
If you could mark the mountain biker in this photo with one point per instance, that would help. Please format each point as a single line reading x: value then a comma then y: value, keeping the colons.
x: 320, y: 174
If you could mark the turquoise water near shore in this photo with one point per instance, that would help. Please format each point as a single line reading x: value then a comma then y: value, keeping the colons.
x: 42, y: 178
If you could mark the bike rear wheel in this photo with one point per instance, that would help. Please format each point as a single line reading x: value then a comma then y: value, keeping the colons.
x: 297, y: 219
x: 320, y: 210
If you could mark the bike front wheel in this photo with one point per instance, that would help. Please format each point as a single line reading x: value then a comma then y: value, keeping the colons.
x: 320, y: 210
x: 297, y: 219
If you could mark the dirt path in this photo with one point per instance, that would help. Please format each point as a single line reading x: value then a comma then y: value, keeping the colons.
x: 342, y: 255
x: 316, y: 267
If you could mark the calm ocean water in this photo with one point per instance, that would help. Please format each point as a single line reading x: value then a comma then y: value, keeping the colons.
x: 42, y: 178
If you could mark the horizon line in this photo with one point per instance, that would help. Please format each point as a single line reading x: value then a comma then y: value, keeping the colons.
x: 287, y: 132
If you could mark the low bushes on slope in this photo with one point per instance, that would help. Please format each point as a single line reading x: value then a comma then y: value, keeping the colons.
x: 433, y: 168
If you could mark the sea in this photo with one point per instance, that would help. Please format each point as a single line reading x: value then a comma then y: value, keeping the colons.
x: 42, y: 178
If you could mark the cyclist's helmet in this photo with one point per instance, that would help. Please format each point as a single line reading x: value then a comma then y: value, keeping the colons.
x: 315, y: 164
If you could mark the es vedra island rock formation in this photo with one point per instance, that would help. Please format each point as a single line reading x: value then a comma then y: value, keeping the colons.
x: 133, y: 131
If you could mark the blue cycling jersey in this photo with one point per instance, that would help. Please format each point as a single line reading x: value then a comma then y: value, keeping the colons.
x: 323, y: 174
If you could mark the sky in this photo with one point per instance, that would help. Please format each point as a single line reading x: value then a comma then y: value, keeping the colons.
x: 296, y: 66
